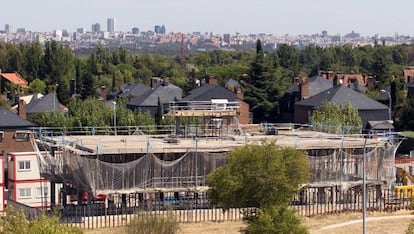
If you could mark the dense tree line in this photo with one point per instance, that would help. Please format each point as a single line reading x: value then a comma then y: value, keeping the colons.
x: 265, y: 75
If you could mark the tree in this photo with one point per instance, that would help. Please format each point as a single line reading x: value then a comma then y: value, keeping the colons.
x: 405, y: 120
x: 331, y: 117
x: 258, y: 176
x: 37, y: 86
x: 264, y: 177
x: 160, y: 112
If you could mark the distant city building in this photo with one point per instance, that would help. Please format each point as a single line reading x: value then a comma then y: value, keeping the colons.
x: 21, y: 30
x: 135, y: 30
x: 80, y: 30
x: 226, y: 38
x: 57, y: 34
x: 8, y: 28
x: 96, y: 28
x: 352, y: 35
x: 65, y: 33
x: 159, y: 29
x: 110, y: 25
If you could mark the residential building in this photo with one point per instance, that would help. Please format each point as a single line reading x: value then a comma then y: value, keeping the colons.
x: 25, y: 184
x: 368, y: 109
x: 210, y: 91
x: 409, y: 75
x: 301, y: 89
x: 163, y: 90
x: 2, y: 185
x: 15, y: 132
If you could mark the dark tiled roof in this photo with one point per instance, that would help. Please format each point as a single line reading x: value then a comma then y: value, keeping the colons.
x: 318, y: 84
x: 207, y: 92
x: 293, y: 89
x: 46, y: 103
x: 9, y: 120
x: 134, y: 90
x: 343, y: 95
x: 166, y: 92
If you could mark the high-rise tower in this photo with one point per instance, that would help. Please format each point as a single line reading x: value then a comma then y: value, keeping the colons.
x: 110, y: 25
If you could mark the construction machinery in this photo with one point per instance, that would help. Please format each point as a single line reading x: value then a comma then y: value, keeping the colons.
x: 406, y: 190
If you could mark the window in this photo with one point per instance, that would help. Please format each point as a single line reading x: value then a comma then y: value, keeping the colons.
x: 21, y: 136
x: 25, y: 193
x: 24, y: 165
x: 1, y: 136
x: 42, y: 192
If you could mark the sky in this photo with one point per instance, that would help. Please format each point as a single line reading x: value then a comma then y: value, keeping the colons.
x: 276, y: 17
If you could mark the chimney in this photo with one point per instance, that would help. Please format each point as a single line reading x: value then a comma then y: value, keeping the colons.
x: 296, y: 80
x: 303, y: 89
x: 103, y: 92
x: 212, y: 80
x: 21, y: 109
x: 239, y: 93
x: 155, y: 81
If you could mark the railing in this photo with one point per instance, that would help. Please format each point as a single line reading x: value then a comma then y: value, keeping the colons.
x: 196, y: 208
x: 219, y: 104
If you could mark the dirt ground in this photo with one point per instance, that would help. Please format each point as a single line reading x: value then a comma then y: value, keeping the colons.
x: 378, y: 223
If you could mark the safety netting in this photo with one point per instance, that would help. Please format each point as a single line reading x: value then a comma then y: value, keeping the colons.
x: 94, y: 174
x: 346, y: 165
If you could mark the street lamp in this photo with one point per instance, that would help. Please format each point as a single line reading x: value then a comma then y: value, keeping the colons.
x: 389, y: 109
x: 114, y: 102
x: 364, y: 188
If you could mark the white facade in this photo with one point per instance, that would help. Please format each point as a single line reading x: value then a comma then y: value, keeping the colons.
x: 2, y: 203
x: 25, y: 184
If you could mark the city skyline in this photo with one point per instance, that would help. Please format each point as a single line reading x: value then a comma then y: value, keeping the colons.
x: 294, y: 17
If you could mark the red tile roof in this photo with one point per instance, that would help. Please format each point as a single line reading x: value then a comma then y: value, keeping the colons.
x: 15, y: 78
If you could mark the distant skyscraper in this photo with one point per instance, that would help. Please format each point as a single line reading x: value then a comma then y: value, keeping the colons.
x: 80, y: 30
x: 96, y: 27
x: 135, y: 30
x: 159, y: 29
x: 226, y: 37
x: 8, y: 28
x: 21, y: 30
x: 110, y: 25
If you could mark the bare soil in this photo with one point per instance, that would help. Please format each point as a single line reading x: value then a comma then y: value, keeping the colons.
x: 377, y: 222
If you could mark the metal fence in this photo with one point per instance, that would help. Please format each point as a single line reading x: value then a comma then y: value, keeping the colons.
x: 94, y: 216
x: 308, y: 202
x: 318, y: 202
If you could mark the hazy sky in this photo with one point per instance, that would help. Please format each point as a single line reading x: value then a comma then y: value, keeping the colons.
x: 277, y: 17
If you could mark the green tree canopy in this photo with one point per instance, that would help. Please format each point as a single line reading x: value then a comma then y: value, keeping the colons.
x: 258, y: 176
x: 332, y: 118
x: 263, y: 177
x: 37, y: 86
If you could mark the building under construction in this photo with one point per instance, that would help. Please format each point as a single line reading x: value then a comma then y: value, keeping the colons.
x: 175, y: 164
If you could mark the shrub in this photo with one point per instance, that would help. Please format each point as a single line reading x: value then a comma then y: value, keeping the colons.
x: 16, y: 222
x: 276, y: 219
x: 150, y: 223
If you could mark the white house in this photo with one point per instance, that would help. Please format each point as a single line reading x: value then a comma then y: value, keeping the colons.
x: 2, y: 203
x: 25, y: 184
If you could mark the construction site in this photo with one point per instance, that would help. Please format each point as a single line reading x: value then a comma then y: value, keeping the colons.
x: 129, y: 166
